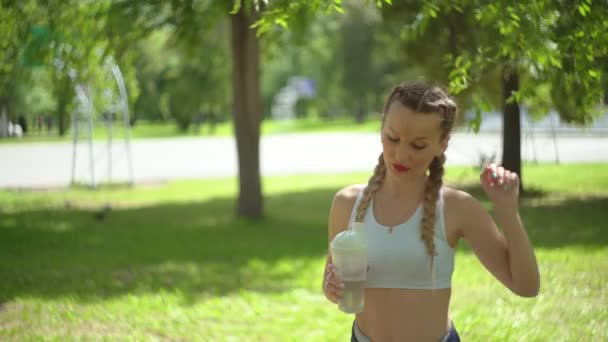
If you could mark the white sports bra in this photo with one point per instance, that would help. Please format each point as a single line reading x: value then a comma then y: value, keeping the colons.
x: 399, y: 259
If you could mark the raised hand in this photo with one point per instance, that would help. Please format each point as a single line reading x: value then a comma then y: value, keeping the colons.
x: 500, y: 185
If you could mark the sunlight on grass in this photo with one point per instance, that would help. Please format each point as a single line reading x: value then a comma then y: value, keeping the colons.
x: 171, y: 262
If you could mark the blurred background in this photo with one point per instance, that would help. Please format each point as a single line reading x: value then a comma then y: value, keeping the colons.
x: 167, y: 167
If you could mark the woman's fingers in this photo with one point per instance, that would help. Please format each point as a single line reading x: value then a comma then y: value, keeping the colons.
x: 336, y: 286
x: 334, y: 280
x: 490, y: 174
x: 498, y: 175
x: 501, y: 175
x: 333, y: 285
x: 333, y: 293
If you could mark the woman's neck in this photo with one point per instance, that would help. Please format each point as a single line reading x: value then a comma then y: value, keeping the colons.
x: 404, y: 189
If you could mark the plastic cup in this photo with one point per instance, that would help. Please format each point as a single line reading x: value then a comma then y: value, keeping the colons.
x: 349, y: 254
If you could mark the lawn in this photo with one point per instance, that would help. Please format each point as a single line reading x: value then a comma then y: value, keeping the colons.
x: 171, y: 262
x: 145, y: 129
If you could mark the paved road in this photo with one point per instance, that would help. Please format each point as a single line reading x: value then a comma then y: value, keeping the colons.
x: 49, y: 164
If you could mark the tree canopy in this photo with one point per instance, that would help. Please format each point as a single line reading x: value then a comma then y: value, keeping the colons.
x: 182, y: 58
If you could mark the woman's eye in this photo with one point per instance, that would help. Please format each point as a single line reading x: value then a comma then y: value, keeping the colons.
x: 419, y: 147
x: 391, y: 139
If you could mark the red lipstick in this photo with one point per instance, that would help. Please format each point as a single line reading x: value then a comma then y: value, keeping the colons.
x: 401, y: 168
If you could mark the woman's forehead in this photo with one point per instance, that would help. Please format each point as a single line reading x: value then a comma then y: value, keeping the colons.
x: 403, y: 120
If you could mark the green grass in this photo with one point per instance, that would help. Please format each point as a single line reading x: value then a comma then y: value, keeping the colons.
x: 170, y: 262
x: 145, y: 129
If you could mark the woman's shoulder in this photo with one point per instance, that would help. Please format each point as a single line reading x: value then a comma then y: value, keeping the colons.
x: 350, y: 192
x: 346, y: 197
x: 460, y: 205
x: 454, y: 195
x: 341, y: 207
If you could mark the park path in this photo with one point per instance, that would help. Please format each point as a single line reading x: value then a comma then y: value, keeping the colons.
x: 41, y: 165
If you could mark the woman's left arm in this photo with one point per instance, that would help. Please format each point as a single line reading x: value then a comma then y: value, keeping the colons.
x: 525, y: 277
x: 508, y: 256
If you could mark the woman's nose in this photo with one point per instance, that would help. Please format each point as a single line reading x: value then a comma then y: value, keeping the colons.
x: 403, y: 154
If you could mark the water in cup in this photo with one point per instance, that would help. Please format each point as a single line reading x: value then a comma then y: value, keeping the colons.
x: 353, y: 296
x: 349, y: 254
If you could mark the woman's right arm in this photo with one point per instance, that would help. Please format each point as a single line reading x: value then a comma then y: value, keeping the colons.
x: 339, y: 215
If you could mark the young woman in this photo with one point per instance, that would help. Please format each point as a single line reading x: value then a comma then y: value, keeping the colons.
x: 413, y: 223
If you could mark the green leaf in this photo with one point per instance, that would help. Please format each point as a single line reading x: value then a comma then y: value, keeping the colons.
x: 583, y: 9
x: 475, y: 124
x: 542, y: 59
x: 478, y: 14
x: 555, y: 62
x: 593, y: 74
x: 237, y: 7
x: 281, y: 22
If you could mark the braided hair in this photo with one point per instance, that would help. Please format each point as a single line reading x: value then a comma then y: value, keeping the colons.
x: 423, y: 99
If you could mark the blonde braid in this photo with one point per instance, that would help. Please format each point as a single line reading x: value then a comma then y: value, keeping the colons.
x: 372, y: 187
x: 424, y: 99
x: 431, y: 193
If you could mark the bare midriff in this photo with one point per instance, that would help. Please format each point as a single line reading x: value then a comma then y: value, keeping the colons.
x: 405, y: 314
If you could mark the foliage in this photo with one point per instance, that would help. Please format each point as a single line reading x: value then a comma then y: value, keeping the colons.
x: 559, y: 45
x: 348, y: 52
x: 63, y: 44
x: 30, y: 93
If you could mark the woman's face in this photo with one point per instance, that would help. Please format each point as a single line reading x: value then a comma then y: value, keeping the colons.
x: 410, y: 141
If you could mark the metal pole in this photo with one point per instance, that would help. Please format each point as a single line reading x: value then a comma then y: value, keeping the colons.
x: 554, y: 141
x: 533, y: 146
x: 109, y: 128
x: 531, y: 136
x: 75, y: 120
x: 90, y: 129
x: 125, y: 110
x: 83, y: 109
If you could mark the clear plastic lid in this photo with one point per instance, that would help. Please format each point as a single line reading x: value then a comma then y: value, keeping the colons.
x: 351, y: 239
x: 359, y: 228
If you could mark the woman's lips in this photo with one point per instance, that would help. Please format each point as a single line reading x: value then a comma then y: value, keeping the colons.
x: 401, y: 168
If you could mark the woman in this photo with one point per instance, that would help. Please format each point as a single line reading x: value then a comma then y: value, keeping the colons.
x: 413, y: 223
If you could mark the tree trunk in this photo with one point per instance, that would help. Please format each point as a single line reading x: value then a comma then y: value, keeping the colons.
x: 4, y: 112
x: 63, y: 94
x: 247, y: 112
x: 511, y: 132
x: 61, y: 118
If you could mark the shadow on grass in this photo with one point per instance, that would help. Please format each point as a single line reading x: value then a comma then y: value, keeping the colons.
x: 554, y: 220
x: 196, y: 248
x: 476, y: 191
x: 199, y: 249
